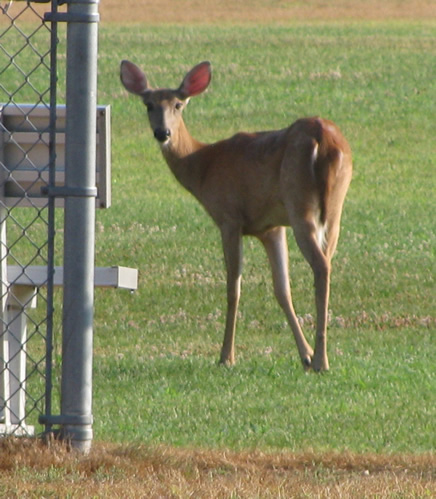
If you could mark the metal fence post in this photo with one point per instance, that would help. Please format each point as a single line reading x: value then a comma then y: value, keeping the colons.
x: 80, y: 191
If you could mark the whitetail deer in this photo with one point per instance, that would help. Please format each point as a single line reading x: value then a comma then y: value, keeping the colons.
x: 256, y: 184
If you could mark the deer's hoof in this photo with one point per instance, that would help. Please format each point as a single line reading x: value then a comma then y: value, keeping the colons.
x: 320, y: 367
x: 226, y: 362
x: 307, y: 362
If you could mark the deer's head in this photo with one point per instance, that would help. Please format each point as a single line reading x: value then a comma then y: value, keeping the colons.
x: 165, y: 106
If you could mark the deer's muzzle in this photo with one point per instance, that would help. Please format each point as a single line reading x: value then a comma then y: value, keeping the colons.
x: 162, y: 134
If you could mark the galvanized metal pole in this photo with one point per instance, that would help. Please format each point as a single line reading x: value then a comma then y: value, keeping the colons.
x: 78, y: 303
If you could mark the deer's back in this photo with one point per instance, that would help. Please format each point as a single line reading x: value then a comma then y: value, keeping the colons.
x: 242, y: 176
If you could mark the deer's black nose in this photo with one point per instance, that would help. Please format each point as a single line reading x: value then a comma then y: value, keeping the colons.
x: 162, y: 134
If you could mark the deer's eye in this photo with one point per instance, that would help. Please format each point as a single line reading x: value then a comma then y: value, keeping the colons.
x: 178, y: 105
x: 149, y: 106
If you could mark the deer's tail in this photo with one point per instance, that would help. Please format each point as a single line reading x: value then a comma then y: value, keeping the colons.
x: 326, y: 161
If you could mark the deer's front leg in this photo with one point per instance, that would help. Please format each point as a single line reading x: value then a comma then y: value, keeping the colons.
x: 232, y: 246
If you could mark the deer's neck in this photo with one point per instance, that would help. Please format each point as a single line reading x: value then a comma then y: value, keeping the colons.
x: 180, y: 154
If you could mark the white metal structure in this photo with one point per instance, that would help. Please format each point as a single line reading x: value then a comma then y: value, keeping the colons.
x: 25, y: 183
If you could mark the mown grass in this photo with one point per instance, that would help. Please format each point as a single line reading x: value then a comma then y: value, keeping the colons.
x: 376, y: 82
x: 159, y: 396
x: 155, y: 377
x: 265, y: 402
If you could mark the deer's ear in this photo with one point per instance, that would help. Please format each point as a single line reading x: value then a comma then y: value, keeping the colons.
x: 196, y: 81
x: 133, y: 79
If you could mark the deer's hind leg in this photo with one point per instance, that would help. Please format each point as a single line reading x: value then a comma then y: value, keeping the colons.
x: 276, y: 247
x: 300, y: 195
x: 306, y: 235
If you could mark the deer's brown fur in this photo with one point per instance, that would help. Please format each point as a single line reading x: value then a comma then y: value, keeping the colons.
x: 257, y: 184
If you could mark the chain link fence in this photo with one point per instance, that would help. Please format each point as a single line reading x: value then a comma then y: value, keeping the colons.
x: 26, y: 217
x: 50, y: 158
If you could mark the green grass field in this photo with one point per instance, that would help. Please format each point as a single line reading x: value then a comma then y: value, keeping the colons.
x: 377, y: 81
x: 156, y: 378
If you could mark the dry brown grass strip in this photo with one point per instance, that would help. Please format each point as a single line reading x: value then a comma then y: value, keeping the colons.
x: 261, y: 11
x: 252, y: 11
x: 28, y: 468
